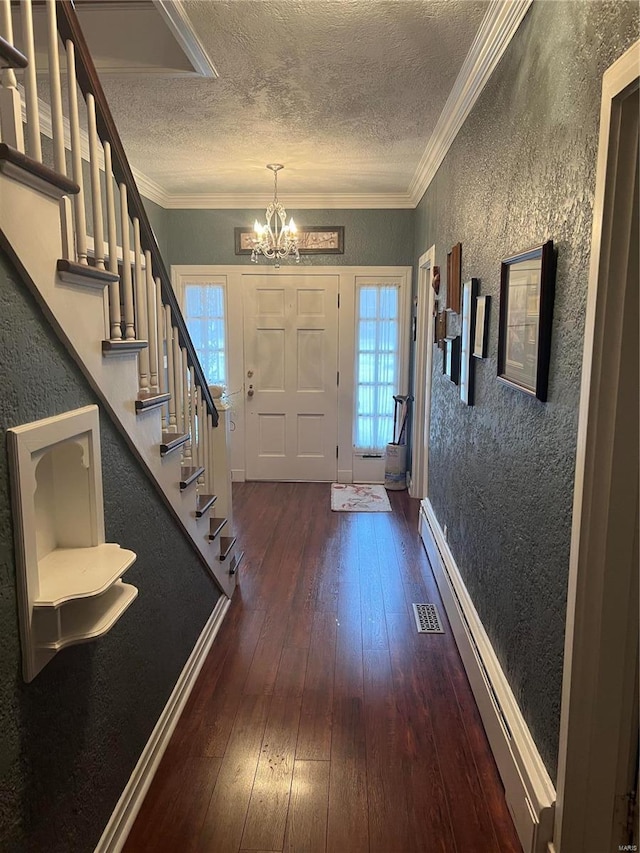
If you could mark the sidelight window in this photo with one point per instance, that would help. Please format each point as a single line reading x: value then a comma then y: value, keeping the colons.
x: 204, y: 311
x: 377, y: 366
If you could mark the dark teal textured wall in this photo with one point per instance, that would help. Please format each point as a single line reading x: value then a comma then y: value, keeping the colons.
x: 372, y: 237
x: 522, y: 171
x: 159, y: 218
x: 70, y: 739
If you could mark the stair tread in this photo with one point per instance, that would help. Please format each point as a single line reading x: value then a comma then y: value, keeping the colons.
x: 215, y: 526
x: 71, y: 268
x: 172, y: 440
x: 122, y: 347
x: 10, y: 56
x: 145, y: 402
x: 204, y: 503
x: 189, y: 474
x: 44, y: 173
x: 235, y: 562
x: 226, y: 544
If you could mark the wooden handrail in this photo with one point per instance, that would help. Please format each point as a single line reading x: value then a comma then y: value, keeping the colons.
x: 89, y: 82
x: 10, y: 56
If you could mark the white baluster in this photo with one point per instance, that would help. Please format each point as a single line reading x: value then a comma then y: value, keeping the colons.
x: 178, y: 383
x: 112, y: 237
x: 193, y: 410
x: 76, y: 156
x: 171, y: 377
x: 140, y: 308
x: 206, y: 447
x: 127, y: 285
x: 34, y: 146
x: 162, y: 374
x: 55, y: 90
x: 96, y: 188
x: 152, y: 324
x: 202, y: 419
x: 187, y: 403
x: 10, y: 103
x: 211, y: 445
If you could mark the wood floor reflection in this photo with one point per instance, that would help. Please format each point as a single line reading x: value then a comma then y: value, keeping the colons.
x: 321, y: 720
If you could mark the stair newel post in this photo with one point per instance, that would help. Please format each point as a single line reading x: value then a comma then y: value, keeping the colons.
x: 162, y: 359
x: 152, y: 324
x: 96, y: 188
x: 140, y: 308
x: 127, y: 284
x: 112, y: 238
x: 194, y: 411
x: 171, y: 376
x: 187, y: 404
x: 34, y: 146
x: 10, y: 104
x: 76, y: 156
x: 178, y: 382
x: 55, y: 89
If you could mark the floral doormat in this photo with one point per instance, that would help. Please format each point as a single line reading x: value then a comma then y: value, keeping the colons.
x: 358, y: 498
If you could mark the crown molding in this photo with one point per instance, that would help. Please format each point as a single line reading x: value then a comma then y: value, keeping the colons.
x: 150, y: 190
x: 316, y: 201
x: 498, y: 27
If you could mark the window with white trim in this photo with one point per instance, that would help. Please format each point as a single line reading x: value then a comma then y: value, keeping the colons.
x: 204, y: 313
x: 377, y: 370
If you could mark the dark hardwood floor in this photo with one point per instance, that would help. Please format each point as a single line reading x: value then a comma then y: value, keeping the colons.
x: 321, y: 720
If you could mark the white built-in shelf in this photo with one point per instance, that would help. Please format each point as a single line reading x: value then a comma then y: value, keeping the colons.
x: 82, y: 620
x: 70, y: 573
x: 70, y: 587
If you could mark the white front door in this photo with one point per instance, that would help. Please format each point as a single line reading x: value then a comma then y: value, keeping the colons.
x: 291, y: 361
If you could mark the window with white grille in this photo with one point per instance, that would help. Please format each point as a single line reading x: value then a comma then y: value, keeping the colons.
x: 204, y: 313
x: 377, y: 373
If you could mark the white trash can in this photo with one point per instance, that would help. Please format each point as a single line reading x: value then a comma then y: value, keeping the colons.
x: 395, y: 468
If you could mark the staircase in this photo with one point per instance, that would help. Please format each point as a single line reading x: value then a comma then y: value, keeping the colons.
x: 109, y: 297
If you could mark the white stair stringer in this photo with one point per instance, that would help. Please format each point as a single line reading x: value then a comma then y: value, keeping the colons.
x: 30, y: 222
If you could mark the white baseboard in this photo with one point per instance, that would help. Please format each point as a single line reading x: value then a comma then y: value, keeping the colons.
x: 529, y: 790
x: 237, y: 475
x: 127, y: 807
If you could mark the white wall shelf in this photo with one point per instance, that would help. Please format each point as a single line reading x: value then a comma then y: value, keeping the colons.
x: 70, y: 587
x: 69, y: 573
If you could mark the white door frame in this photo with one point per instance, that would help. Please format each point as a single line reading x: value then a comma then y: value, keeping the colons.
x: 602, y: 605
x: 422, y: 376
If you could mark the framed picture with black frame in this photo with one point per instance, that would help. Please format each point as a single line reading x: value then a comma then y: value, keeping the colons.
x: 527, y: 286
x: 467, y: 335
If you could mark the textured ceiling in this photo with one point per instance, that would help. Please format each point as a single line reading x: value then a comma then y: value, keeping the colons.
x: 345, y: 93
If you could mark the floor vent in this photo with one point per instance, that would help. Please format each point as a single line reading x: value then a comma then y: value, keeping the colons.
x: 427, y: 619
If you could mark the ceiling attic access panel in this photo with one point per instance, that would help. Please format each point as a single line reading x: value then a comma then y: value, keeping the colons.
x: 69, y: 580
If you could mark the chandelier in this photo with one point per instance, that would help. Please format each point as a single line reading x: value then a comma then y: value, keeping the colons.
x: 275, y: 239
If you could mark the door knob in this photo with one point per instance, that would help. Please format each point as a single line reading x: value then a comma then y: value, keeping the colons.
x: 250, y: 392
